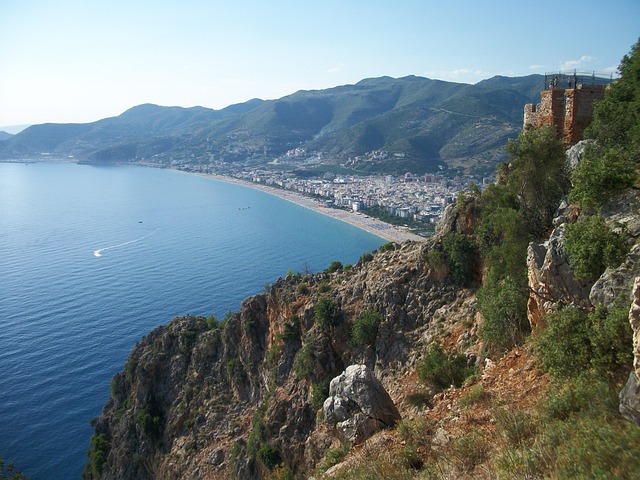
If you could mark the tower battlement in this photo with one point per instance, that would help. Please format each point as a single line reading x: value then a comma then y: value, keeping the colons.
x: 567, y: 103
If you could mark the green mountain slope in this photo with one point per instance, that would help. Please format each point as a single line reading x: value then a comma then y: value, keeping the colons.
x: 420, y: 125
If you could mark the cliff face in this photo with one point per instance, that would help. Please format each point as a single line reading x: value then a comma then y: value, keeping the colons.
x: 244, y: 397
x: 202, y: 399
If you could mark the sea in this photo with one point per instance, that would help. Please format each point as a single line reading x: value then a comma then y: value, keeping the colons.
x: 93, y: 258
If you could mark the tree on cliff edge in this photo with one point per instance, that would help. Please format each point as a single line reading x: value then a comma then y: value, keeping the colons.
x: 610, y: 164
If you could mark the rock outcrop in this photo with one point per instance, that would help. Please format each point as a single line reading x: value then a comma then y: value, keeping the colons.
x: 630, y: 395
x: 358, y: 405
x: 201, y: 399
x: 551, y: 281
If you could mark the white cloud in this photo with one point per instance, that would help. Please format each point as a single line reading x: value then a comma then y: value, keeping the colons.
x: 335, y: 69
x: 458, y: 75
x: 575, y: 64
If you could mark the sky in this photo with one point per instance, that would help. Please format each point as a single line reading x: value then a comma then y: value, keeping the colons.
x: 77, y: 61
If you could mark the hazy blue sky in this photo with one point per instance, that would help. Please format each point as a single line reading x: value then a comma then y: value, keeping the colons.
x: 79, y: 61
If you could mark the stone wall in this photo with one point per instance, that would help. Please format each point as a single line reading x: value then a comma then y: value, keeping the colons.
x: 570, y: 110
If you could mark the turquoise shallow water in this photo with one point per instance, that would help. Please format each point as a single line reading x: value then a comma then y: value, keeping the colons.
x: 93, y: 258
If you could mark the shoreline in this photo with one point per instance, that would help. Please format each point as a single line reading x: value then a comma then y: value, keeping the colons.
x: 364, y: 222
x: 371, y: 225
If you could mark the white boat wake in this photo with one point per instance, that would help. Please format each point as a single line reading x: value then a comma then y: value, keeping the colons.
x: 98, y: 253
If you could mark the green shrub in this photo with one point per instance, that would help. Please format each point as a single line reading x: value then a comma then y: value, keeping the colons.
x: 410, y: 457
x: 592, y: 246
x: 302, y: 288
x: 599, y: 175
x: 291, y: 331
x: 326, y: 313
x: 538, y: 177
x: 332, y: 457
x: 304, y: 363
x: 461, y: 257
x: 365, y: 328
x: 387, y: 247
x: 586, y: 394
x: 365, y: 258
x: 503, y: 304
x: 235, y: 370
x: 187, y: 340
x: 324, y: 287
x: 515, y: 426
x: 419, y: 399
x: 335, y: 266
x: 574, y: 342
x: 415, y: 431
x: 564, y: 345
x: 468, y: 451
x: 436, y: 259
x: 269, y: 456
x: 212, y: 322
x: 281, y: 472
x: 591, y: 448
x: 150, y: 420
x: 99, y: 447
x: 319, y: 394
x: 441, y: 370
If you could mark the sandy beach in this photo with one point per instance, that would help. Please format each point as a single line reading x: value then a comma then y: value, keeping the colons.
x: 372, y: 225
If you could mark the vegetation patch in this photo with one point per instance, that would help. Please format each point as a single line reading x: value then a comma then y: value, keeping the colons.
x: 592, y: 246
x: 326, y: 313
x: 365, y: 328
x: 575, y: 342
x: 442, y: 370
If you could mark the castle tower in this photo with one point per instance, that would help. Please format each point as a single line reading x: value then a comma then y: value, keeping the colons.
x: 567, y: 103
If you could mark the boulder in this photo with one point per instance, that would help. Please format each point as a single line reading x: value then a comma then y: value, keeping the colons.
x: 358, y: 405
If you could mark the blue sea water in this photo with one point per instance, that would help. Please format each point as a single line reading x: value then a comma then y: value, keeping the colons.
x: 94, y: 258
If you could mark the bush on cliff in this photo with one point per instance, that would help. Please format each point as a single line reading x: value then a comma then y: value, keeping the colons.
x: 461, y: 257
x: 326, y: 313
x: 610, y: 165
x: 503, y: 304
x: 441, y: 369
x: 99, y: 447
x: 575, y: 342
x: 592, y: 246
x: 365, y: 328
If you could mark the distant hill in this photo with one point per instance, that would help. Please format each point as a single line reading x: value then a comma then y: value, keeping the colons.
x: 377, y: 125
x: 4, y: 135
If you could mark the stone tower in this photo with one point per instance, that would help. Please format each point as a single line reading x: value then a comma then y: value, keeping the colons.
x: 567, y: 102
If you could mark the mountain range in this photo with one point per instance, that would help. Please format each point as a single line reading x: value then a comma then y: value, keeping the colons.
x: 378, y: 125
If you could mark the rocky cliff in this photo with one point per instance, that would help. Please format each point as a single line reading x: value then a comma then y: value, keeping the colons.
x: 319, y: 363
x: 200, y: 398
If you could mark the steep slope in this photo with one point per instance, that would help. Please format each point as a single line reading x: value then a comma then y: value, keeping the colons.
x: 200, y: 399
x: 242, y: 398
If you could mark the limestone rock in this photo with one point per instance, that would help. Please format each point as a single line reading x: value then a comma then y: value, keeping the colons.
x: 617, y: 283
x: 551, y: 281
x: 630, y: 394
x: 358, y: 405
x: 459, y: 218
x: 575, y: 153
x: 630, y: 400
